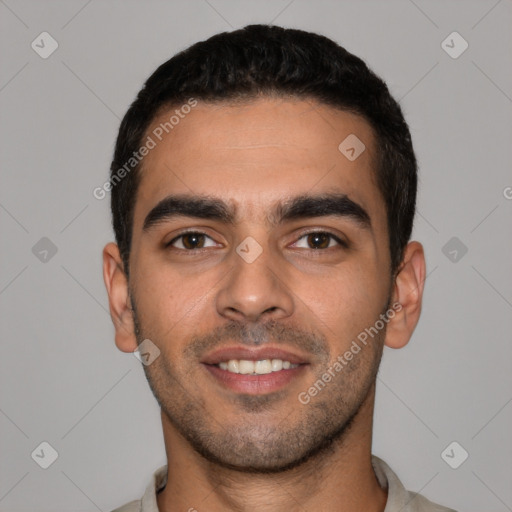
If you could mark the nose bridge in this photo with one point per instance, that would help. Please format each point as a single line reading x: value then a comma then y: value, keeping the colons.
x: 253, y: 287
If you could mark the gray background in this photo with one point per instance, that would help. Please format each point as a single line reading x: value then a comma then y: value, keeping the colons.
x: 61, y: 378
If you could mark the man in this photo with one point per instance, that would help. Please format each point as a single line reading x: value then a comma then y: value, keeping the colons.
x: 263, y: 194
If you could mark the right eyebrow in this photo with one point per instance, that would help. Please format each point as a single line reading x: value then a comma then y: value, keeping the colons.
x: 189, y: 206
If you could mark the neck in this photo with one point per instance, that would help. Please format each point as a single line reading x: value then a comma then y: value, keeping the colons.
x: 339, y: 478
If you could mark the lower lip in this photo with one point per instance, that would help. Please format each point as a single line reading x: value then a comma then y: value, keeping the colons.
x: 255, y: 384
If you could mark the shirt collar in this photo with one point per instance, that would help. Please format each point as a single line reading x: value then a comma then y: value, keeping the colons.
x: 157, y: 483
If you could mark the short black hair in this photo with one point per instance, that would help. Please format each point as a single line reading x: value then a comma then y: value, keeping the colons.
x: 267, y: 60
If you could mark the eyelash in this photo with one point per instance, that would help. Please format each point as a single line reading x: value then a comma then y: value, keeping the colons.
x: 340, y: 242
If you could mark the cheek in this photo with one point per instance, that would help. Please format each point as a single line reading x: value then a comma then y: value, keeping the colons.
x: 172, y: 304
x: 347, y: 301
x: 161, y: 298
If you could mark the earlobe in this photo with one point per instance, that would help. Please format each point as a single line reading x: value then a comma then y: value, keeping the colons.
x: 119, y: 299
x: 408, y: 292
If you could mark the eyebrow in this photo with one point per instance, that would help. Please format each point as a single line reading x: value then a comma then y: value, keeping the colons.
x: 299, y: 207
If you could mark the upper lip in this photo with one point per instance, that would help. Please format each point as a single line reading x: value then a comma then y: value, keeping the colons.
x: 252, y: 354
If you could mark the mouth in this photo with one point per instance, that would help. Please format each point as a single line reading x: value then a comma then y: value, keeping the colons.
x: 254, y: 372
x: 261, y: 367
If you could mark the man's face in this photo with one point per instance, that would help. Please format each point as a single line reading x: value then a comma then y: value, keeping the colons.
x: 257, y: 274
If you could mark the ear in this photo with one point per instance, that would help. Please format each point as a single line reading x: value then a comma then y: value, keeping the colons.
x: 407, y: 296
x: 119, y: 298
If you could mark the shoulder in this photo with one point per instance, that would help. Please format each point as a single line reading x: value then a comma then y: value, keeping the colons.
x: 148, y: 503
x: 133, y: 506
x: 418, y: 503
x: 400, y: 499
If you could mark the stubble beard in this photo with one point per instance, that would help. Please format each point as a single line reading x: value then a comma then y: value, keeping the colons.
x: 300, y: 432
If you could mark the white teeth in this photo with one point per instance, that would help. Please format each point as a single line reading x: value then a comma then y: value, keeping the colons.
x: 233, y: 366
x: 261, y: 367
x: 277, y: 365
x: 246, y: 367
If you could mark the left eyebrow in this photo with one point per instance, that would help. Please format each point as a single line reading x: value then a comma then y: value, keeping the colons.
x: 299, y: 207
x: 306, y: 206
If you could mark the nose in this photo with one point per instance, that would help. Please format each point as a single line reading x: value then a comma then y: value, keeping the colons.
x: 255, y: 291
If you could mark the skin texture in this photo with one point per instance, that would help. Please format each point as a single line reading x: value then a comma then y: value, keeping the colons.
x: 267, y: 451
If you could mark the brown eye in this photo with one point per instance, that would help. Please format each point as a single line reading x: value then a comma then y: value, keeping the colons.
x: 319, y: 240
x: 191, y: 241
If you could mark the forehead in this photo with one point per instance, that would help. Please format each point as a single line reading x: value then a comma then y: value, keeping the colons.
x: 254, y: 154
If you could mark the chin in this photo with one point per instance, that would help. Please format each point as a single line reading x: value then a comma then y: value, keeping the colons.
x: 268, y: 451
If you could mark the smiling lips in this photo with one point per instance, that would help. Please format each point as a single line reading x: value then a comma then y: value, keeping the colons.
x: 254, y: 371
